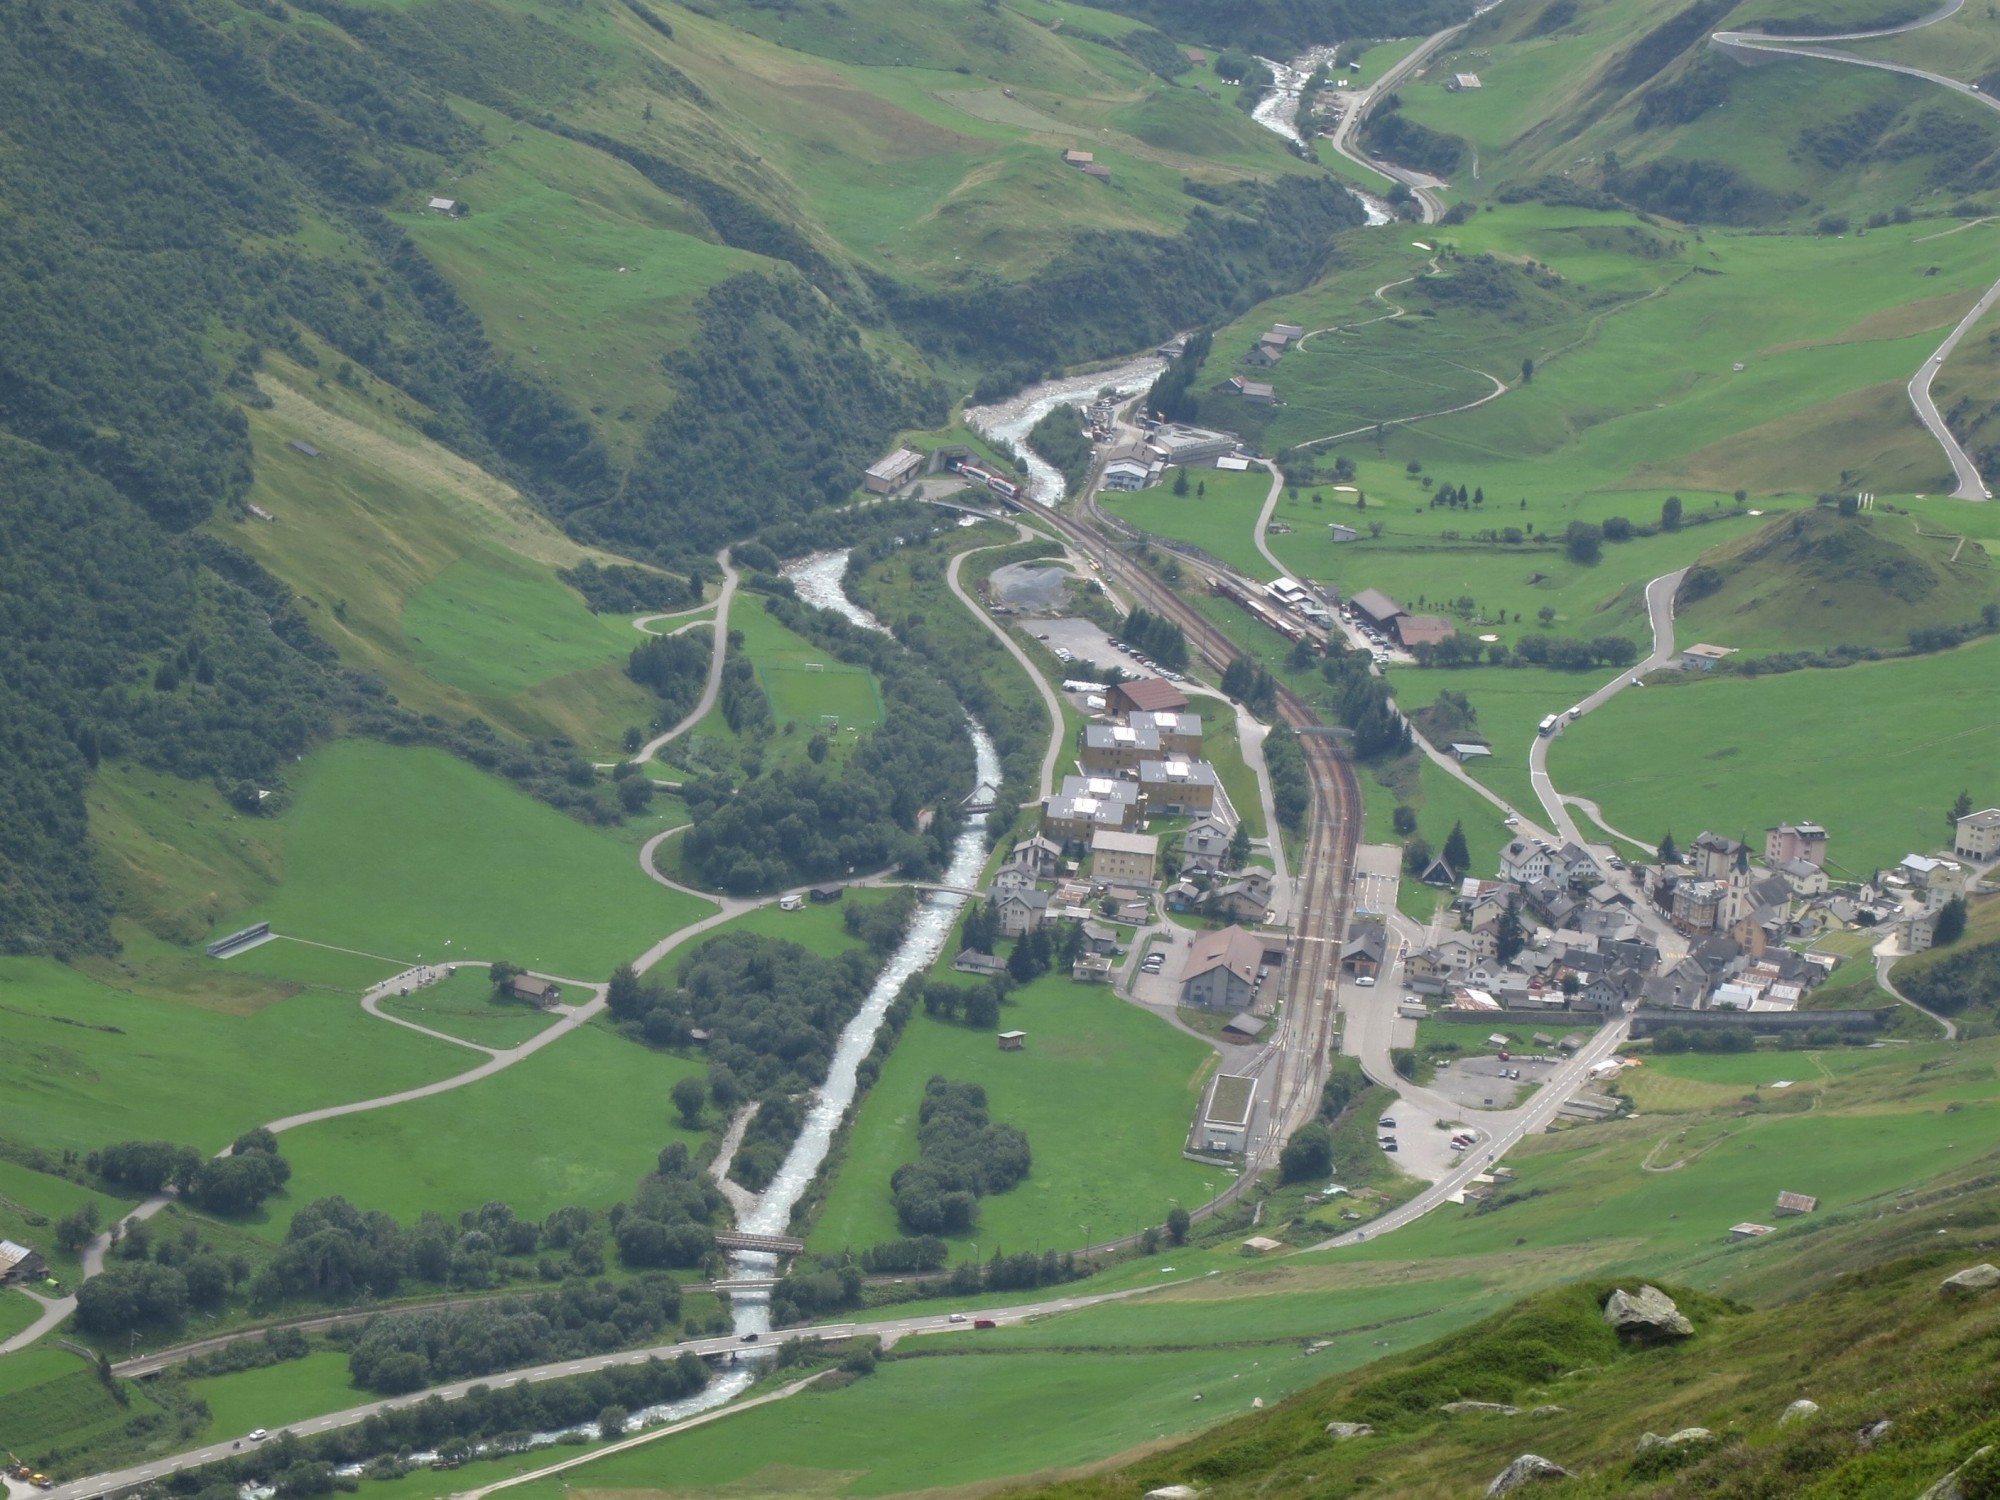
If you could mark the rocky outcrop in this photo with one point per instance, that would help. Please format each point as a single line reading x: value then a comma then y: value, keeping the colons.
x: 1971, y: 1281
x: 1948, y: 1488
x: 1548, y: 1411
x: 1529, y: 1468
x: 1686, y: 1437
x: 1649, y: 1315
x: 1480, y: 1408
x: 1174, y: 1492
x: 1340, y: 1432
x: 1872, y: 1434
x: 1800, y: 1410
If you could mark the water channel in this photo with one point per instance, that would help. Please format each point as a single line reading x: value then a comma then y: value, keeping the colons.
x: 1005, y: 424
x: 1278, y: 112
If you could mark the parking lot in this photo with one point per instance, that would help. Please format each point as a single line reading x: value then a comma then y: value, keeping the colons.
x: 1478, y: 1082
x: 1086, y: 642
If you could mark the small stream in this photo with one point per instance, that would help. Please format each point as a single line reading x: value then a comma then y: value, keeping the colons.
x: 1005, y: 424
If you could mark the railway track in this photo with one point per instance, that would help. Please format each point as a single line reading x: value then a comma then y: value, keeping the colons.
x: 1320, y: 916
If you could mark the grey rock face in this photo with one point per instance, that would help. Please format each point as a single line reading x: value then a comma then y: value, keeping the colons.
x: 1679, y: 1439
x: 1648, y: 1314
x: 1479, y: 1408
x: 1948, y: 1488
x: 1872, y: 1434
x: 1174, y: 1492
x: 1529, y: 1468
x: 1340, y: 1432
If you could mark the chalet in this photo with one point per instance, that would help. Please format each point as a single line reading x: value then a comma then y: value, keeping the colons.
x: 451, y: 208
x: 1264, y: 354
x: 971, y: 961
x: 1287, y: 333
x: 1791, y: 1205
x: 1340, y: 531
x: 1439, y: 874
x: 1462, y: 83
x: 1077, y: 158
x: 820, y: 895
x: 1098, y: 938
x: 1524, y: 862
x: 1013, y: 1041
x: 1011, y: 877
x: 1098, y: 172
x: 1038, y: 855
x: 545, y: 994
x: 1221, y: 970
x: 1145, y: 695
x: 1257, y: 392
x: 1022, y: 912
x: 18, y: 1263
x: 1183, y: 895
x: 1244, y: 898
x: 1127, y: 474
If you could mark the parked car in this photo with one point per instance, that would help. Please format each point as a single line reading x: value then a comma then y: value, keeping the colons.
x: 1366, y: 981
x: 1386, y: 1123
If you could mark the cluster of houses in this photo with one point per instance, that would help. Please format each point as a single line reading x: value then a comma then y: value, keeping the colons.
x: 1140, y: 762
x: 1266, y: 352
x: 1137, y: 465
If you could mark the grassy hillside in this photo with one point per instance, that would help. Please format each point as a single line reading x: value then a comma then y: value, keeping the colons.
x: 1816, y: 579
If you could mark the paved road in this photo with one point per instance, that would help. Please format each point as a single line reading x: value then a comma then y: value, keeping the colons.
x: 1049, y: 699
x: 1424, y: 187
x: 1748, y: 46
x: 1660, y: 610
x: 1885, y: 960
x: 889, y: 1329
x: 715, y: 661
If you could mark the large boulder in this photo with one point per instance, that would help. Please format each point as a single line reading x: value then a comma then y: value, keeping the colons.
x: 1872, y: 1434
x: 1340, y: 1432
x: 1948, y: 1488
x: 1548, y: 1411
x: 1480, y: 1408
x: 1174, y: 1492
x: 1529, y: 1468
x: 1971, y: 1281
x: 1649, y: 1315
x: 1686, y: 1437
x: 1800, y: 1410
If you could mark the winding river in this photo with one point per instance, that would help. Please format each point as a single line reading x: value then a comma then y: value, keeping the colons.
x: 1278, y: 112
x: 1005, y: 424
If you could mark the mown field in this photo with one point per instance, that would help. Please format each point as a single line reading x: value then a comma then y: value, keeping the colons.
x: 409, y: 854
x: 1104, y: 1091
x: 1877, y: 752
x: 466, y: 1005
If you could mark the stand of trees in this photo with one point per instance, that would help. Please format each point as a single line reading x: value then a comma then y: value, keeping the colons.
x: 1160, y: 638
x: 621, y: 589
x: 1059, y: 438
x: 1173, y: 397
x: 1362, y: 703
x: 961, y: 1156
x: 675, y: 667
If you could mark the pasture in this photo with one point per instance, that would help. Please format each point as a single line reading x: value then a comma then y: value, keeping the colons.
x: 410, y: 854
x: 1104, y: 1091
x: 277, y: 1395
x: 86, y: 1064
x: 497, y: 626
x: 1876, y: 751
x: 1222, y: 522
x: 465, y: 1005
x: 578, y: 1122
x: 31, y: 1202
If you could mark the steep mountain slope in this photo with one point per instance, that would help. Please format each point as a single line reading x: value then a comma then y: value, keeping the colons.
x: 1897, y: 1369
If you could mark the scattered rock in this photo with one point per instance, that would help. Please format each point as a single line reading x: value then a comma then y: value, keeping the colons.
x: 1175, y: 1492
x: 1476, y: 1408
x: 1548, y: 1411
x: 1971, y: 1281
x: 1650, y: 1315
x: 1256, y: 1403
x: 1948, y: 1488
x: 1800, y: 1410
x: 1340, y: 1432
x: 1873, y: 1433
x: 1679, y: 1439
x: 1527, y: 1469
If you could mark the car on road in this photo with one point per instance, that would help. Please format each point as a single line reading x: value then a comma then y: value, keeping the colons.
x: 750, y: 1338
x: 1511, y: 821
x: 984, y: 1323
x: 258, y: 1434
x: 1366, y: 981
x: 956, y: 1318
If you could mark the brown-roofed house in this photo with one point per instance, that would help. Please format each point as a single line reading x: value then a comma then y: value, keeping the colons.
x: 1098, y: 170
x: 1790, y: 1205
x: 543, y: 992
x: 1377, y: 606
x: 1077, y: 158
x: 1424, y: 630
x: 1145, y: 695
x: 1221, y: 970
x: 19, y: 1263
